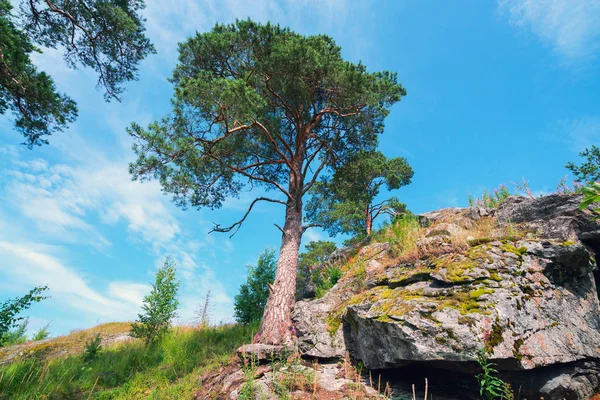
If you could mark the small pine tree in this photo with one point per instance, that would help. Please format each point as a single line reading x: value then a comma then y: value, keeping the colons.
x: 249, y: 304
x: 160, y: 306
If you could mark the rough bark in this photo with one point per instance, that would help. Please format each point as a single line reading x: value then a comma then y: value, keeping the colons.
x: 368, y: 221
x: 276, y: 326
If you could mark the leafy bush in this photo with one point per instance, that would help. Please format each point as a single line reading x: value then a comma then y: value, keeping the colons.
x: 17, y: 335
x: 591, y: 195
x: 310, y: 267
x: 249, y: 304
x: 92, y: 348
x: 160, y: 306
x: 42, y: 334
x: 325, y: 279
x: 491, y: 200
x: 11, y: 308
x: 491, y: 386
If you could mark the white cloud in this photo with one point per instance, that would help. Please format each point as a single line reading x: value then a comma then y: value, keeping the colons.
x: 131, y: 292
x: 38, y: 268
x: 570, y: 27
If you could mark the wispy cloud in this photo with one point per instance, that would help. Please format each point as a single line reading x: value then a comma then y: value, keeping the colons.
x: 570, y: 27
x: 38, y: 268
x: 579, y: 133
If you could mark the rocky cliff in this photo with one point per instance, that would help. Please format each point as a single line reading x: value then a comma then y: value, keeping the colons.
x: 518, y: 281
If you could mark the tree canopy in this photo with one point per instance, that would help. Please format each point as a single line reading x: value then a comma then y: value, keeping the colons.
x: 344, y: 203
x: 260, y: 105
x: 589, y: 171
x: 104, y: 35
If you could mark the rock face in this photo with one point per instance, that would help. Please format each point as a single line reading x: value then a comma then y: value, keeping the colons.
x: 526, y: 293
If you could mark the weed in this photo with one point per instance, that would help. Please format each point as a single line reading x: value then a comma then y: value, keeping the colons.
x: 92, y: 348
x: 490, y: 385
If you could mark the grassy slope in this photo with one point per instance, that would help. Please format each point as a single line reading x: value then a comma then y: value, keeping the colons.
x: 168, y: 370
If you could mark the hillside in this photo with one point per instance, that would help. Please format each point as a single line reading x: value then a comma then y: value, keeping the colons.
x: 417, y: 304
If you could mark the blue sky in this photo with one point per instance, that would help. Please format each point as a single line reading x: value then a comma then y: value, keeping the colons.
x: 497, y: 92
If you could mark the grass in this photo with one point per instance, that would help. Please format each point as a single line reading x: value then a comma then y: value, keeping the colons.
x: 166, y: 370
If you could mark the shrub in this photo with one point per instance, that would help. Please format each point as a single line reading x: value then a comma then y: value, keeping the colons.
x: 491, y: 200
x: 41, y: 334
x: 160, y: 306
x: 490, y: 385
x: 17, y: 335
x: 249, y: 304
x: 92, y: 348
x: 11, y: 308
x: 310, y: 265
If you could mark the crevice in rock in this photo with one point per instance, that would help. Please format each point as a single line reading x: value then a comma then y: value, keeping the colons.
x: 444, y: 381
x: 593, y: 245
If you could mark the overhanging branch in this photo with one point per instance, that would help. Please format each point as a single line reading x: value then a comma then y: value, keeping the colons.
x: 236, y: 226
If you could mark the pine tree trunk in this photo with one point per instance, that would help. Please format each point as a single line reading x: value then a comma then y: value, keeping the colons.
x: 368, y: 221
x: 276, y: 326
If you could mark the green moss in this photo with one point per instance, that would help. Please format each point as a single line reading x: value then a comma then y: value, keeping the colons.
x: 476, y: 294
x: 509, y: 248
x: 567, y: 244
x: 516, y: 347
x: 464, y: 320
x: 479, y: 241
x: 519, y: 305
x: 495, y: 337
x: 455, y: 269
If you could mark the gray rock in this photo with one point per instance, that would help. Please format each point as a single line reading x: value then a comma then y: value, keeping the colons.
x: 259, y: 351
x: 555, y: 216
x: 314, y: 337
x: 533, y: 303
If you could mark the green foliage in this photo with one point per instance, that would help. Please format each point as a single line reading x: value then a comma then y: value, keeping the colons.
x: 491, y: 386
x: 41, y: 334
x: 92, y: 348
x: 249, y: 304
x: 491, y: 200
x: 105, y: 35
x: 167, y: 370
x: 160, y: 306
x: 10, y: 309
x: 310, y: 266
x: 589, y: 171
x: 253, y: 103
x: 16, y: 335
x: 344, y: 203
x: 591, y: 195
x: 325, y: 279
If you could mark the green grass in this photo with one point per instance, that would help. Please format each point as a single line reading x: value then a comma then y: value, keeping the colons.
x: 166, y: 370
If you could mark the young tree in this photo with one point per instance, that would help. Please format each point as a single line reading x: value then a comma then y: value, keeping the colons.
x: 344, y: 204
x: 317, y: 253
x: 105, y: 35
x: 249, y: 304
x: 10, y: 309
x: 260, y: 105
x: 589, y: 171
x: 160, y: 306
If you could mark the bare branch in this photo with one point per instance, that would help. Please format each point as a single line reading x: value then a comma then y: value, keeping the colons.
x: 236, y: 226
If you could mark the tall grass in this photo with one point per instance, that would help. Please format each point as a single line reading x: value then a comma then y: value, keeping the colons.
x: 168, y: 369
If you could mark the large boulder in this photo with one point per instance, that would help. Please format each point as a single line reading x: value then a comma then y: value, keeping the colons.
x: 528, y: 297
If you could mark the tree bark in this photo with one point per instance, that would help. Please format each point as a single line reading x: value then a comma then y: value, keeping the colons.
x: 368, y: 221
x: 276, y: 326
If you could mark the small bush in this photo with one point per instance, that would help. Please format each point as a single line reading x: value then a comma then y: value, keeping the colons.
x: 92, y: 348
x: 491, y: 200
x: 491, y: 386
x: 160, y: 306
x: 42, y: 334
x: 11, y: 308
